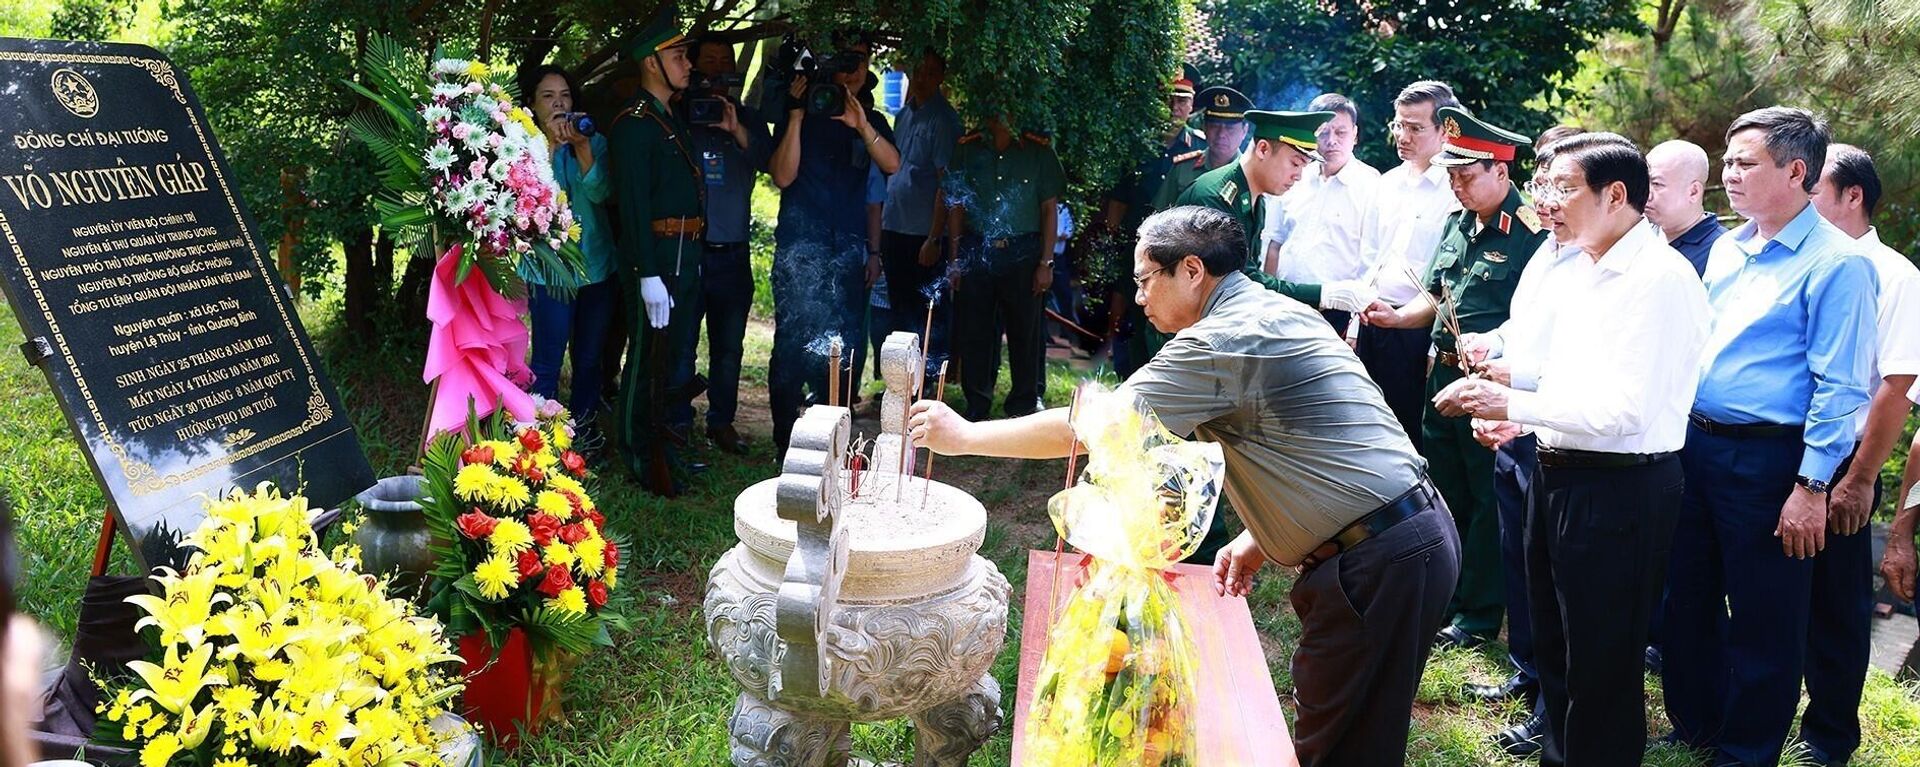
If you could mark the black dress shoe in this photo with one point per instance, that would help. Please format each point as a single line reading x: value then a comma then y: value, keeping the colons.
x: 1454, y: 636
x: 1654, y: 661
x: 1523, y: 739
x: 727, y: 439
x: 1516, y: 687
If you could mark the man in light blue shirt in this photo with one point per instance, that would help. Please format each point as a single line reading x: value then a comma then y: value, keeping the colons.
x: 1784, y: 376
x: 912, y: 227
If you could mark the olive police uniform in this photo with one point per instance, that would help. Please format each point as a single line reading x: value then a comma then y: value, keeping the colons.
x: 1477, y: 266
x: 661, y: 199
x: 1001, y: 191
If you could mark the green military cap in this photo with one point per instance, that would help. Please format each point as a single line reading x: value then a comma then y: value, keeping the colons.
x: 1295, y: 129
x: 660, y: 33
x: 1223, y: 103
x: 1469, y: 140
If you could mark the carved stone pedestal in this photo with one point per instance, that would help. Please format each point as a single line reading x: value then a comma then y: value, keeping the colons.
x: 836, y: 609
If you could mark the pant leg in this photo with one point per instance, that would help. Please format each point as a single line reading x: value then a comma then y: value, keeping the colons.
x: 633, y: 414
x: 1479, y: 600
x: 1021, y: 315
x: 683, y: 332
x: 552, y: 320
x: 906, y: 281
x: 797, y: 324
x: 592, y: 314
x: 727, y: 297
x: 974, y: 333
x: 1839, y: 641
x: 1607, y: 536
x: 1694, y: 674
x: 1367, y: 620
x: 1513, y: 467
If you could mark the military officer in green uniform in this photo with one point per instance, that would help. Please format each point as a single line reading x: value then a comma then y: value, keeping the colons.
x: 1003, y: 190
x: 1283, y: 145
x: 1128, y: 204
x: 1223, y: 114
x: 1474, y: 271
x: 657, y: 183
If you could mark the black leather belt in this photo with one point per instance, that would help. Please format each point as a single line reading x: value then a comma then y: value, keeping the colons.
x: 1588, y: 459
x: 1743, y: 430
x: 1413, y: 501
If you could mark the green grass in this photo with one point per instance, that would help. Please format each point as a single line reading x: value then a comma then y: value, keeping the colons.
x: 658, y: 696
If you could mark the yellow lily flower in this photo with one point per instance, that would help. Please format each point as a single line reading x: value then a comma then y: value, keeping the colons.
x: 175, y: 684
x: 182, y: 615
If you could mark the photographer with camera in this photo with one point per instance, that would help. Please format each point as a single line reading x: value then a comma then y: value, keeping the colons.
x: 733, y: 144
x: 583, y: 321
x: 821, y: 266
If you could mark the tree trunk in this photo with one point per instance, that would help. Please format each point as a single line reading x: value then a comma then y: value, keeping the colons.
x: 383, y: 271
x: 411, y: 298
x: 362, y: 291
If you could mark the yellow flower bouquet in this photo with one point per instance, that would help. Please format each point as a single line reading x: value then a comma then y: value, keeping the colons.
x: 273, y: 652
x: 1116, y: 686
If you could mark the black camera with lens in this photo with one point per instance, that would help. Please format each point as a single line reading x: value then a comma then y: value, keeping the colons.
x: 582, y: 122
x: 824, y: 96
x: 707, y: 97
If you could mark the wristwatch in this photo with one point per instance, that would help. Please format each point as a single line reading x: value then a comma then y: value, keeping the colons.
x: 1813, y: 485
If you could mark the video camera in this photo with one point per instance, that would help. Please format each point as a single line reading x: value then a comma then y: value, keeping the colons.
x: 823, y: 97
x: 707, y: 97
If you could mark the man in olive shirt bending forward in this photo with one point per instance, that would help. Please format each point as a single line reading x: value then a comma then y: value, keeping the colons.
x: 1317, y: 467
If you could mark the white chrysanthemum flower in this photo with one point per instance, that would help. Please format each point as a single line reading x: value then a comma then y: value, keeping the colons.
x: 499, y: 171
x: 511, y: 150
x: 448, y: 90
x: 476, y: 137
x: 450, y: 67
x: 435, y: 113
x: 440, y: 156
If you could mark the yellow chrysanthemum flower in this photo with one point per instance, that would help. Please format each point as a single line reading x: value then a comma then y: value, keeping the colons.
x: 573, y: 601
x: 564, y: 484
x: 511, y: 494
x: 496, y: 576
x: 592, y: 553
x: 472, y: 482
x: 477, y: 70
x: 573, y: 231
x: 555, y: 504
x: 510, y: 536
x: 504, y: 451
x: 557, y: 554
x: 159, y: 750
x: 562, y: 438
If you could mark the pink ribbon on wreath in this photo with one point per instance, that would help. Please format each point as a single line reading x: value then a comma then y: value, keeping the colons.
x: 476, y: 351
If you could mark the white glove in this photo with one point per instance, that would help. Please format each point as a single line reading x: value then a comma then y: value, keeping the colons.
x: 659, y: 303
x: 1347, y: 295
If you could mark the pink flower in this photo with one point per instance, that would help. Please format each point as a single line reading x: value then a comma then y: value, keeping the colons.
x: 461, y: 130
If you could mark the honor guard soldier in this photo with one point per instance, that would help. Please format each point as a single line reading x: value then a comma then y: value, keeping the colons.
x: 1482, y: 250
x: 657, y: 181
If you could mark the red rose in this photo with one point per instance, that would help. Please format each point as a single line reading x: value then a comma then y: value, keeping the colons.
x: 572, y: 500
x: 597, y: 594
x: 573, y: 534
x: 558, y: 579
x: 599, y: 521
x: 531, y: 440
x: 544, y: 527
x: 476, y: 524
x: 477, y: 454
x: 574, y: 462
x: 610, y: 557
x: 535, y: 475
x: 530, y: 564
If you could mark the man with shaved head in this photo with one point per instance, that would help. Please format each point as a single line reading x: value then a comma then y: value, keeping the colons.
x: 1677, y: 204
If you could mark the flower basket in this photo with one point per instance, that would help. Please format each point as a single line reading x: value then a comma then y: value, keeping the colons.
x: 508, y: 694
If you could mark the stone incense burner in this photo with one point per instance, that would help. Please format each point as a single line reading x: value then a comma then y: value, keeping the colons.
x: 839, y: 607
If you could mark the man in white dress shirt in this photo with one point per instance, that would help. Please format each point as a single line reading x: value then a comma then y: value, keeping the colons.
x: 1611, y: 386
x: 1398, y: 235
x: 1313, y: 231
x: 1839, y: 631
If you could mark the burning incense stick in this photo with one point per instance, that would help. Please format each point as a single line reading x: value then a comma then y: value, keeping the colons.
x: 833, y: 372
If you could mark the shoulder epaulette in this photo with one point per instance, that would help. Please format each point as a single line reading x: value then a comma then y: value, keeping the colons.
x: 1529, y: 218
x: 1038, y: 138
x: 638, y: 109
x: 970, y: 137
x: 1185, y: 156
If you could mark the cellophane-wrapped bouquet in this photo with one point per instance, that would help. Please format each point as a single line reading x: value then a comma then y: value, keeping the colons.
x: 1117, y: 684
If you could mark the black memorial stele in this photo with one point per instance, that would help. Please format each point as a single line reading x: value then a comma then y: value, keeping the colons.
x: 141, y: 284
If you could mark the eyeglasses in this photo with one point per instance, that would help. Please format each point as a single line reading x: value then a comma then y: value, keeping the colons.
x: 1141, y: 280
x: 1410, y: 128
x: 1547, y: 194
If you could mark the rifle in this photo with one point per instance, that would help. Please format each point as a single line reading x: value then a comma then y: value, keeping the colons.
x: 662, y: 463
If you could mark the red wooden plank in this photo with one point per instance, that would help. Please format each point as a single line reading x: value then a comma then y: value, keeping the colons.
x: 1240, y: 719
